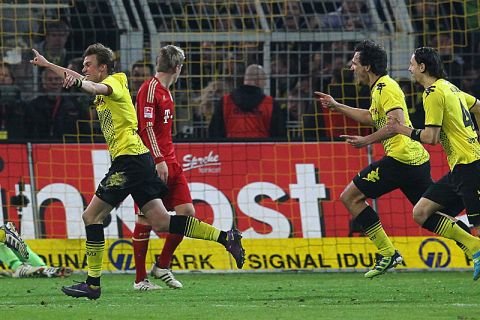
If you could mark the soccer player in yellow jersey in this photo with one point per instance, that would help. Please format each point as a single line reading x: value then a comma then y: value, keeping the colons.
x: 448, y: 121
x: 132, y: 171
x: 406, y: 164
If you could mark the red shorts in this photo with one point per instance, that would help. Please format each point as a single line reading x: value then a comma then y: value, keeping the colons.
x: 178, y: 192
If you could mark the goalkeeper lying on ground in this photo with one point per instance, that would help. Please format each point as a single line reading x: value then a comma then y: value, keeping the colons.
x: 21, y: 260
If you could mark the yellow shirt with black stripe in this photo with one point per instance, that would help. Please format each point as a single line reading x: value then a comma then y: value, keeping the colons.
x: 386, y: 96
x: 447, y: 107
x: 118, y: 118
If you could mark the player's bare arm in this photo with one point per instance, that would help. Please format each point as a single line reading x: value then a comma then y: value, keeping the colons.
x: 86, y: 85
x: 360, y: 115
x: 41, y: 61
x: 429, y: 135
x: 377, y: 136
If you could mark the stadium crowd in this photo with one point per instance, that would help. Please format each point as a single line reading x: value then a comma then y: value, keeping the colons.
x: 214, y: 69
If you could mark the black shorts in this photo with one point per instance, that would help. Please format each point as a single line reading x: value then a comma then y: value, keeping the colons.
x: 458, y: 190
x: 388, y: 174
x: 131, y: 174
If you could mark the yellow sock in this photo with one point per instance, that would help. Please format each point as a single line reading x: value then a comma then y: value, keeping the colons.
x: 197, y: 229
x: 449, y: 229
x: 95, y: 257
x: 380, y: 239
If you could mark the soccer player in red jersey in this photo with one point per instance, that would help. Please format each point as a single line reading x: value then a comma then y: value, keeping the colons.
x: 155, y: 112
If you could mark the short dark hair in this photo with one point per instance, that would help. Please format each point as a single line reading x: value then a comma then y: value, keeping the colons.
x: 432, y: 61
x: 141, y: 64
x: 58, y: 25
x: 104, y: 55
x: 374, y: 55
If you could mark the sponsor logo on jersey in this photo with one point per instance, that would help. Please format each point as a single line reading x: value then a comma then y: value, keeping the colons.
x: 372, y: 176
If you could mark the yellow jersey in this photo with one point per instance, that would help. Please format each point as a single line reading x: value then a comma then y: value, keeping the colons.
x: 386, y: 96
x: 447, y: 107
x: 118, y: 118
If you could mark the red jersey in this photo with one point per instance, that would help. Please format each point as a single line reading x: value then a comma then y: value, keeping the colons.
x: 155, y: 110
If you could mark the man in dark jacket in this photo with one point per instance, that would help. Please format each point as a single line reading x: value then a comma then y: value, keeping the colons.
x: 51, y: 115
x: 247, y: 112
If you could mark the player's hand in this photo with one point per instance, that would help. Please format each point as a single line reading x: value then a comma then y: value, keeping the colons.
x: 393, y: 125
x: 71, y: 81
x: 39, y: 60
x: 355, y: 141
x: 326, y: 100
x: 162, y: 171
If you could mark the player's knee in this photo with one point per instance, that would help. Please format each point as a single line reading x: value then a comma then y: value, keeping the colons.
x: 161, y: 225
x: 420, y: 214
x: 345, y: 197
x: 185, y: 210
x: 86, y: 218
x: 188, y: 212
x: 351, y: 198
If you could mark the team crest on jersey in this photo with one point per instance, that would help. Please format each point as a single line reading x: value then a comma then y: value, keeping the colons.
x: 430, y: 90
x: 380, y: 86
x: 148, y: 112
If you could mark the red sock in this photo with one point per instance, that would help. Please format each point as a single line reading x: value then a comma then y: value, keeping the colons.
x: 171, y: 243
x: 141, y: 235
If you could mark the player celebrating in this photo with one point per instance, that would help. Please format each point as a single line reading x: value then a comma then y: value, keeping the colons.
x: 132, y: 171
x: 447, y: 120
x: 155, y: 111
x: 406, y: 164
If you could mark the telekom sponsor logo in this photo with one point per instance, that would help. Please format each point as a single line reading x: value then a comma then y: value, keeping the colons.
x: 208, y: 164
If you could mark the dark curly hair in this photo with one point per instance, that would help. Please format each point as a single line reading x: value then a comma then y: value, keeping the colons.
x: 373, y: 54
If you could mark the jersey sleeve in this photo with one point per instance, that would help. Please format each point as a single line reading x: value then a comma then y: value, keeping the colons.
x: 434, y: 104
x: 392, y: 99
x: 146, y: 112
x: 471, y: 100
x: 116, y: 86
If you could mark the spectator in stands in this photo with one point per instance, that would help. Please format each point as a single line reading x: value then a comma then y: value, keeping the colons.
x: 12, y: 109
x: 56, y: 34
x: 452, y: 62
x: 207, y: 62
x: 351, y: 15
x: 296, y: 105
x: 319, y: 69
x: 93, y: 21
x: 141, y: 70
x: 292, y: 17
x: 426, y: 19
x: 470, y: 77
x: 51, y: 115
x: 88, y: 125
x: 280, y: 75
x: 75, y: 64
x: 343, y: 89
x: 205, y: 103
x: 247, y: 112
x: 53, y: 45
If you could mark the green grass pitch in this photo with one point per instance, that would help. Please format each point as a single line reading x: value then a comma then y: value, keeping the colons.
x: 396, y: 295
